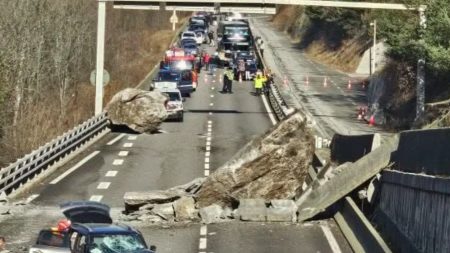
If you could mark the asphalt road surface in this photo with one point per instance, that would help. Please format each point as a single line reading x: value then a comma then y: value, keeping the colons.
x: 215, y: 127
x: 331, y: 97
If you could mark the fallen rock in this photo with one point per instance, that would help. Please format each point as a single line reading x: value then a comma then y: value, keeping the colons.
x: 252, y: 210
x: 282, y: 210
x: 185, y: 209
x: 135, y: 200
x: 227, y: 213
x: 150, y: 218
x: 191, y: 187
x: 142, y: 111
x: 273, y: 166
x: 211, y: 214
x: 165, y: 211
x: 3, y: 198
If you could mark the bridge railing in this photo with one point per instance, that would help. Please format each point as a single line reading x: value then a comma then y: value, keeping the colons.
x: 39, y: 160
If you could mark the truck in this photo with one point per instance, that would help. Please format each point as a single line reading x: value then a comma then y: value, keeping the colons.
x: 91, y: 231
x: 234, y: 36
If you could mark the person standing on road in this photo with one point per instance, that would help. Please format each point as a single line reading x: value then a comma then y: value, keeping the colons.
x: 228, y: 81
x: 258, y: 82
x: 261, y: 48
x: 206, y: 59
x: 3, y: 245
x: 211, y: 38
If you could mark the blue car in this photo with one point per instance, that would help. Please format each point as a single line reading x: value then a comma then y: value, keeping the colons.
x: 190, y: 49
x: 91, y: 231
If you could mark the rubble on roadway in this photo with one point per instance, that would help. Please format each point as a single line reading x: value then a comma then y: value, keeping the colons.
x: 258, y: 184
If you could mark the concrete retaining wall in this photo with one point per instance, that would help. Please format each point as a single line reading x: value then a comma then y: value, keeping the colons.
x: 413, y: 212
x: 424, y: 151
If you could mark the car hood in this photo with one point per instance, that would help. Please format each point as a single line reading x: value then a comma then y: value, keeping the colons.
x: 86, y: 212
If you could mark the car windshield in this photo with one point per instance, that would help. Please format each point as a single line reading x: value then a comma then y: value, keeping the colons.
x: 117, y: 244
x: 188, y: 41
x: 190, y: 46
x: 180, y: 65
x: 168, y: 76
x: 173, y: 96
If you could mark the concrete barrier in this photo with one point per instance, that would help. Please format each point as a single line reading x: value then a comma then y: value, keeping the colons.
x: 413, y: 212
x: 350, y: 148
x: 424, y: 151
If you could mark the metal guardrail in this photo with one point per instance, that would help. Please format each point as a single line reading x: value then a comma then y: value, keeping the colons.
x: 32, y: 164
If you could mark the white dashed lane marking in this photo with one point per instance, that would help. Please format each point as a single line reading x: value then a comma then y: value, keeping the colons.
x: 128, y: 145
x: 103, y: 185
x: 202, y: 244
x: 206, y: 173
x: 111, y: 173
x: 206, y: 166
x: 96, y: 198
x: 211, y: 104
x: 132, y: 137
x: 203, y: 230
x: 118, y: 162
x: 123, y: 153
x: 206, y: 159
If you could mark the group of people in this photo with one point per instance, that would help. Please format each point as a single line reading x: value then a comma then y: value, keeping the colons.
x: 261, y: 82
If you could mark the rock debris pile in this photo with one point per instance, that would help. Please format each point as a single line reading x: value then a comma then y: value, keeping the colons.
x: 258, y: 184
x: 140, y: 110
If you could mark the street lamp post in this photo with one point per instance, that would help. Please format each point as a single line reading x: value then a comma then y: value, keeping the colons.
x: 100, y: 57
x: 374, y: 48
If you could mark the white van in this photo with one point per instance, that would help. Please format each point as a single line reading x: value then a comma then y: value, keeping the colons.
x: 174, y: 106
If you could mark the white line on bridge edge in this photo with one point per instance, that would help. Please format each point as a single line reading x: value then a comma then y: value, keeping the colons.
x: 269, y: 111
x: 78, y: 165
x: 330, y: 238
x: 115, y: 139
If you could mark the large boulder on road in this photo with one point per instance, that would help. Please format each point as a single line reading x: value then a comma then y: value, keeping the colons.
x: 273, y: 166
x: 142, y: 111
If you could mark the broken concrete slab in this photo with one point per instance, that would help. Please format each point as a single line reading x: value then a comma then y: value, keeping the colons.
x: 350, y: 148
x: 349, y: 177
x: 134, y: 200
x: 211, y: 214
x: 282, y: 210
x: 252, y: 210
x: 185, y: 209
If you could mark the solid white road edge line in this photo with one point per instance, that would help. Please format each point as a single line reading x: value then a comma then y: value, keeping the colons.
x: 31, y: 198
x: 115, y: 139
x: 331, y: 239
x: 78, y: 165
x: 269, y: 111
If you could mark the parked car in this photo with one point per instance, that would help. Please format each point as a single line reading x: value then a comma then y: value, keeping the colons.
x: 92, y: 231
x: 174, y: 106
x: 188, y: 34
x: 187, y: 41
x: 190, y: 49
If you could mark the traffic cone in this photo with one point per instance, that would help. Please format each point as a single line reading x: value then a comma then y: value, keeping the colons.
x: 325, y: 82
x: 349, y: 85
x: 360, y: 113
x: 372, y: 121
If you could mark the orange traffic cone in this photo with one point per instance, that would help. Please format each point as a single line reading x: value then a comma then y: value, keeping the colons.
x: 325, y: 83
x: 372, y: 121
x: 349, y: 85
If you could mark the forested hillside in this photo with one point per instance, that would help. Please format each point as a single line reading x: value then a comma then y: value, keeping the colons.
x: 339, y: 36
x: 47, y: 55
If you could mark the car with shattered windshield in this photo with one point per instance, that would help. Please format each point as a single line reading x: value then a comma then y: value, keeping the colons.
x: 92, y: 231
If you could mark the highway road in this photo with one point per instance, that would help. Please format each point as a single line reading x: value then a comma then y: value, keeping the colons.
x: 323, y: 92
x: 215, y: 127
